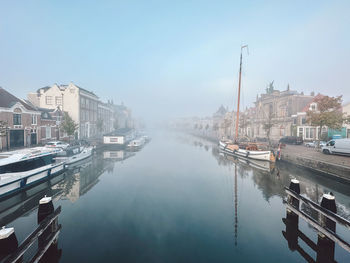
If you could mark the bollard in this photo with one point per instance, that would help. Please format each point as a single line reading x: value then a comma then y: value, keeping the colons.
x: 328, y: 202
x: 45, y: 208
x: 292, y: 220
x: 326, y: 247
x: 294, y: 186
x: 8, y: 241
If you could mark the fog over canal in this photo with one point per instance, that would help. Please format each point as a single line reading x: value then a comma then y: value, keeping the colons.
x: 176, y: 200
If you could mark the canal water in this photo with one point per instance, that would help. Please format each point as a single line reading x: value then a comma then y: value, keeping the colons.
x: 176, y: 200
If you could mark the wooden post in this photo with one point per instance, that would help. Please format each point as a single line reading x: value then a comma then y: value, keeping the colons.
x: 292, y: 219
x: 8, y: 241
x: 45, y: 208
x: 325, y: 251
x: 294, y: 186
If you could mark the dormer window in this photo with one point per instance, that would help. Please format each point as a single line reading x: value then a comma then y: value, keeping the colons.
x: 313, y: 106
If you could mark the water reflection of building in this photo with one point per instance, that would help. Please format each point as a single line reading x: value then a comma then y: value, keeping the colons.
x: 117, y: 155
x: 82, y: 178
x: 272, y: 183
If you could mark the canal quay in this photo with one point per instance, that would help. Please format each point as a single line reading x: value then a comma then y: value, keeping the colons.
x: 177, y: 200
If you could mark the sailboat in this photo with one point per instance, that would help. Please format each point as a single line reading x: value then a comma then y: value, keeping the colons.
x: 250, y: 151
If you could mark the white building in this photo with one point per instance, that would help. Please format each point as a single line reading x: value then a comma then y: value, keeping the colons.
x: 81, y: 105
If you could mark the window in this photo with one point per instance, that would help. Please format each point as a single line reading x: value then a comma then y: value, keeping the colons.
x: 300, y: 132
x: 17, y: 119
x: 82, y: 115
x: 312, y: 133
x: 34, y: 119
x: 48, y: 132
x: 307, y: 133
x: 48, y: 100
x: 58, y: 100
x: 303, y: 120
x: 82, y: 102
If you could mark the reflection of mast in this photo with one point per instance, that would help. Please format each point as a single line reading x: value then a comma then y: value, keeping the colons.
x: 236, y: 207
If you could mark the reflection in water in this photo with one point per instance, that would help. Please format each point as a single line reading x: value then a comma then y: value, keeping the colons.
x: 23, y: 202
x: 75, y: 182
x: 236, y: 207
x: 272, y: 180
x: 325, y: 246
x: 177, y: 201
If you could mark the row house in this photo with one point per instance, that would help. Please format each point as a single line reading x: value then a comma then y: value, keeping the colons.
x: 50, y: 125
x: 106, y: 118
x: 24, y: 125
x: 346, y: 111
x: 19, y: 122
x: 79, y: 103
x: 121, y: 116
x: 310, y: 133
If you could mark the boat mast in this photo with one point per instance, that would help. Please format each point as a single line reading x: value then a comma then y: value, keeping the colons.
x: 239, y: 92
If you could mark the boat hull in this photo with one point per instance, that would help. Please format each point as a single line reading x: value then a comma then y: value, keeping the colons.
x: 14, y: 182
x: 84, y: 154
x: 256, y: 155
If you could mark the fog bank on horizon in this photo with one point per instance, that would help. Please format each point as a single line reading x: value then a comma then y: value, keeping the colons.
x: 167, y: 60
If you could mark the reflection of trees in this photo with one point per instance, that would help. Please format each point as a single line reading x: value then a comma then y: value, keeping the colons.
x: 270, y: 184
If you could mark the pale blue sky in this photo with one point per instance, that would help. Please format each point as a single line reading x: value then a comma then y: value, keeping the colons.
x: 175, y: 58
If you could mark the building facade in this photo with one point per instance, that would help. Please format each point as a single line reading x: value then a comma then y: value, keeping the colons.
x: 278, y: 109
x: 346, y: 111
x: 20, y: 123
x: 105, y: 118
x: 79, y: 103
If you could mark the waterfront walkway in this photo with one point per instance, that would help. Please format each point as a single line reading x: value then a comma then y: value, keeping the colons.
x: 312, y: 153
x: 334, y: 165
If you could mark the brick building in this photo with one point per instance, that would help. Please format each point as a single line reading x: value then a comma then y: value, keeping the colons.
x: 20, y: 122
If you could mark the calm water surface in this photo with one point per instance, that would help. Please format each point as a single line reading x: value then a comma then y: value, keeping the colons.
x: 176, y: 200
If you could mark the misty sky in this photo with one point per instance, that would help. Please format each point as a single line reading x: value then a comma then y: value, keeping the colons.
x: 179, y: 58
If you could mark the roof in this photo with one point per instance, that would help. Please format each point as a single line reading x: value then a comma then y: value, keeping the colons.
x: 85, y: 90
x: 120, y: 132
x: 307, y: 107
x: 7, y: 100
x: 221, y: 111
x: 64, y: 86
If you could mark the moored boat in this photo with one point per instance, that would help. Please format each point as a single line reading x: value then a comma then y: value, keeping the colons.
x: 136, y: 143
x: 74, y: 154
x: 23, y: 168
x: 251, y: 151
x: 257, y: 154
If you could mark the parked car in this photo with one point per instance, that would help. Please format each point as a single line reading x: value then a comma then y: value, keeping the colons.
x: 323, y: 143
x: 314, y: 144
x: 57, y: 144
x: 339, y: 146
x: 311, y: 144
x: 291, y: 140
